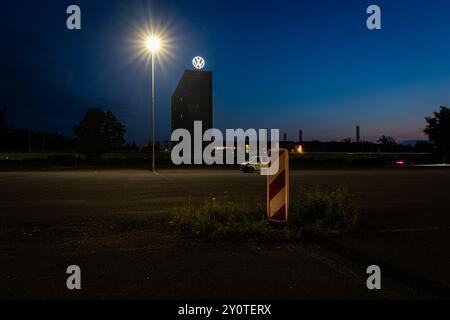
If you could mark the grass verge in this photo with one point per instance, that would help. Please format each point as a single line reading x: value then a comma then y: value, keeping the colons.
x: 312, y: 211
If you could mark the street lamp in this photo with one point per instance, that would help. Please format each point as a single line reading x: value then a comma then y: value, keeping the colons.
x: 153, y: 45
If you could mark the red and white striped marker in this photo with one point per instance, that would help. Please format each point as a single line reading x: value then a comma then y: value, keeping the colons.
x: 278, y: 189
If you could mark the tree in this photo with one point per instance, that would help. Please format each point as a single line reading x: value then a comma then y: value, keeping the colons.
x: 347, y: 140
x: 3, y: 126
x: 387, y: 143
x: 438, y: 130
x: 132, y: 147
x: 98, y: 133
x: 4, y: 129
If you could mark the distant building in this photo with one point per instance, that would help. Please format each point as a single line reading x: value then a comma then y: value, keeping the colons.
x: 192, y: 101
x: 358, y: 134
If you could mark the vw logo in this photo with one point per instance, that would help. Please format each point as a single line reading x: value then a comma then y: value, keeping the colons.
x: 198, y: 63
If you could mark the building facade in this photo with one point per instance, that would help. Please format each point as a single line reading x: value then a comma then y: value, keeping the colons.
x: 192, y: 101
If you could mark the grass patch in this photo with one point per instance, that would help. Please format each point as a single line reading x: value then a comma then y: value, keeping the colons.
x: 324, y: 211
x: 312, y: 211
x: 221, y: 219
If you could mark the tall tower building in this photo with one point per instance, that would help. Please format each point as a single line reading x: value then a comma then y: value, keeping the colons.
x: 192, y: 101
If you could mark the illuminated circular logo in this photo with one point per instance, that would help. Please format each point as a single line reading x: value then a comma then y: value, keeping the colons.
x: 198, y: 63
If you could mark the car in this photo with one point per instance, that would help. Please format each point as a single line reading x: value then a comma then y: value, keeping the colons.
x: 254, y: 164
x: 402, y: 163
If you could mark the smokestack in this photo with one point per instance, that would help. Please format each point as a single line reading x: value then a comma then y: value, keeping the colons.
x: 285, y: 137
x: 300, y: 136
x: 358, y: 134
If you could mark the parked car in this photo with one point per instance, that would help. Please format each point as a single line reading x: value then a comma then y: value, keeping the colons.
x: 254, y: 164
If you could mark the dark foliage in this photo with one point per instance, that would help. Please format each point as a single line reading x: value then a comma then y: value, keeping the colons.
x: 438, y: 130
x: 98, y: 133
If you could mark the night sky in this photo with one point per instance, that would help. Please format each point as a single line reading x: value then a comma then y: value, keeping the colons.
x: 279, y: 64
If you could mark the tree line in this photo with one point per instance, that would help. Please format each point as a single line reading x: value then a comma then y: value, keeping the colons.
x: 99, y: 132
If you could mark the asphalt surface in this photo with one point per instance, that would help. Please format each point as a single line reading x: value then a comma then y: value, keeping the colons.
x: 115, y: 225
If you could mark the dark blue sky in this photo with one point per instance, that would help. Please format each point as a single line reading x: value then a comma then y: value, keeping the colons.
x: 279, y: 64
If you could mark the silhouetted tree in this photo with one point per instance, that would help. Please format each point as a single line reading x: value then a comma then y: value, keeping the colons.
x: 4, y: 130
x: 347, y: 140
x: 98, y: 133
x: 132, y: 147
x: 387, y: 143
x: 438, y: 130
x: 3, y: 127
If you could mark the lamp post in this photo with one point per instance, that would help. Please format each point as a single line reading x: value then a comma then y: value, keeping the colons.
x: 153, y: 44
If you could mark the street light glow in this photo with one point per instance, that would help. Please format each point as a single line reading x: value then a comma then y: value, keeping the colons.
x: 153, y: 43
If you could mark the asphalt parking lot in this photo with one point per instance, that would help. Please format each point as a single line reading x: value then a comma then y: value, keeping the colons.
x: 114, y: 224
